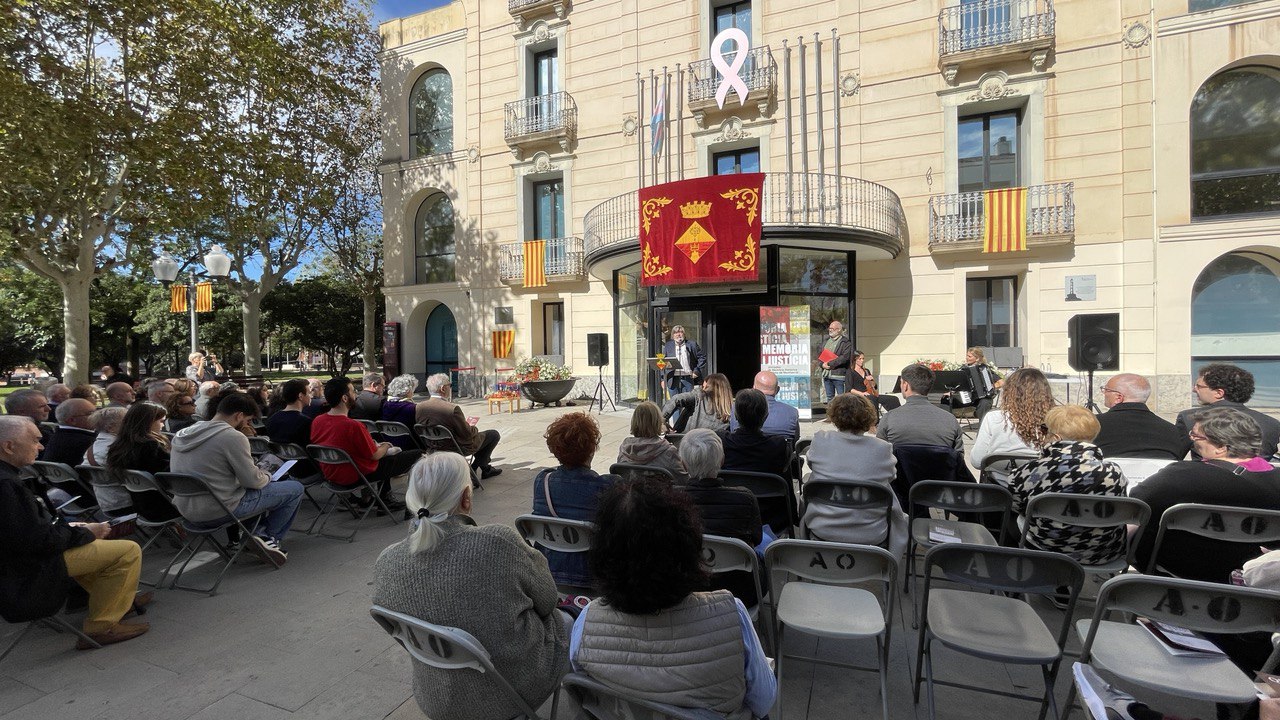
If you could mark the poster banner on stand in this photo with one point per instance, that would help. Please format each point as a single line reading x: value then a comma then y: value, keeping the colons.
x: 784, y: 351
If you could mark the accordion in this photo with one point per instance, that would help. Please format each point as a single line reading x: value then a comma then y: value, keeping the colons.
x: 981, y: 383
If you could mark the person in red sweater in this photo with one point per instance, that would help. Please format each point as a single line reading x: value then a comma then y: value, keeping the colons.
x: 378, y: 461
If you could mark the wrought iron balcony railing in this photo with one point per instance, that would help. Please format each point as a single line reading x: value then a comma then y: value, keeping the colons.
x: 993, y: 24
x: 554, y: 115
x: 759, y: 73
x: 562, y: 260
x: 960, y: 218
x: 522, y: 10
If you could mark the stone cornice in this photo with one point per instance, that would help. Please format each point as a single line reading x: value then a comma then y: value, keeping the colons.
x: 1220, y: 17
x: 423, y: 44
x: 1266, y: 227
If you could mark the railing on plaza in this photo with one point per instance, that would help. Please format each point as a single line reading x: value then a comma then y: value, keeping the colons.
x: 759, y: 72
x: 562, y: 259
x: 807, y: 200
x: 961, y: 217
x: 993, y: 23
x: 552, y: 113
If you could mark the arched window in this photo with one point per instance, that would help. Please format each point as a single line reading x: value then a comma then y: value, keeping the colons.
x: 434, y: 229
x: 431, y: 114
x: 1235, y: 143
x: 1234, y: 319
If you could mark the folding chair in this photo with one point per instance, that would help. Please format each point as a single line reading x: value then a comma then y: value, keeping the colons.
x: 392, y: 429
x: 674, y: 438
x: 180, y: 485
x: 1134, y: 655
x: 632, y: 471
x: 295, y: 452
x: 726, y: 554
x: 1216, y: 522
x: 917, y: 463
x: 1092, y: 511
x: 259, y: 445
x: 326, y: 455
x: 994, y: 626
x: 439, y: 437
x: 100, y: 482
x: 369, y: 425
x: 602, y: 702
x: 765, y: 486
x: 138, y: 484
x: 825, y: 605
x: 996, y: 469
x: 54, y: 621
x: 866, y: 498
x: 60, y: 476
x: 446, y: 648
x: 566, y: 536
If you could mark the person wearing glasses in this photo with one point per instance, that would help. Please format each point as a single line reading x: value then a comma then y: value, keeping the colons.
x: 1225, y: 385
x: 181, y: 408
x: 74, y: 434
x: 1130, y: 429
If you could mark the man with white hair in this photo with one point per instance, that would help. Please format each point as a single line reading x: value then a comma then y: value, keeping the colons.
x: 43, y: 552
x: 30, y: 404
x: 438, y: 410
x: 206, y: 392
x: 159, y: 390
x: 55, y: 394
x: 74, y: 434
x: 1129, y: 428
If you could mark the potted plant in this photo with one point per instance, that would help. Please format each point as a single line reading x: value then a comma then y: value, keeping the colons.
x: 544, y: 382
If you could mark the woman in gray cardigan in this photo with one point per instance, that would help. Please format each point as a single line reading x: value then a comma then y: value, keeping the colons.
x: 485, y: 580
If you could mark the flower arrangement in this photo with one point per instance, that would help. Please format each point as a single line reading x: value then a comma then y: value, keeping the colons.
x: 503, y: 394
x: 938, y: 364
x: 536, y: 368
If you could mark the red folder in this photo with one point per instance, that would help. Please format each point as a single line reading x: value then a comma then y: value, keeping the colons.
x: 826, y: 356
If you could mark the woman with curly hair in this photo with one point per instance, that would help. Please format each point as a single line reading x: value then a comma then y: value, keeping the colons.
x: 654, y: 633
x: 181, y: 409
x: 1016, y: 429
x: 707, y: 407
x: 570, y: 490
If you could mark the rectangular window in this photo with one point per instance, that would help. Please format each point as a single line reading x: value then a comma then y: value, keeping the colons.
x: 989, y: 151
x: 546, y: 72
x: 730, y: 162
x: 990, y: 305
x: 731, y: 15
x: 548, y: 210
x: 553, y: 328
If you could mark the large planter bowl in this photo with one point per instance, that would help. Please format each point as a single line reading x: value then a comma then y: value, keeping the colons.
x: 546, y: 392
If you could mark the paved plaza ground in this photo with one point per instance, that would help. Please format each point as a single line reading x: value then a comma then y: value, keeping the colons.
x: 299, y: 642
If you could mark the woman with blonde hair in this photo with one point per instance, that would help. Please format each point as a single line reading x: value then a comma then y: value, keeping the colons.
x: 1016, y: 428
x: 484, y: 580
x: 707, y: 407
x: 646, y: 446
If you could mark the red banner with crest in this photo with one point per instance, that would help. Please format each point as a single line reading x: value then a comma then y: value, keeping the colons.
x: 704, y: 230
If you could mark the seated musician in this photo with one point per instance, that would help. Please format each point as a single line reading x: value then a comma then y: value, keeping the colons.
x: 861, y: 381
x: 983, y: 381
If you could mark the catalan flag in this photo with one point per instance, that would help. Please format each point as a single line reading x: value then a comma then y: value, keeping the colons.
x: 535, y: 263
x: 177, y: 298
x: 503, y: 341
x: 1005, y: 226
x: 204, y: 297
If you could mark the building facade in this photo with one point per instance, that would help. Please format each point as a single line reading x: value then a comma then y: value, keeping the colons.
x: 1146, y: 135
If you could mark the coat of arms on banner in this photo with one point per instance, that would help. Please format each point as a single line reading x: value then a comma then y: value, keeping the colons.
x: 701, y: 230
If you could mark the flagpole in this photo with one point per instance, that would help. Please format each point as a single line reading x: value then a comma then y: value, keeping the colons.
x: 640, y: 123
x: 191, y: 310
x: 666, y: 125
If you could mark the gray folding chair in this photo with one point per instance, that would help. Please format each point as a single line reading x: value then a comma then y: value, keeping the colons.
x: 60, y: 476
x: 865, y: 498
x: 369, y: 425
x: 137, y: 482
x: 1217, y: 522
x: 566, y: 536
x: 259, y: 445
x: 726, y: 554
x: 101, y: 483
x: 765, y: 486
x: 997, y: 468
x: 824, y: 603
x: 1133, y: 654
x: 602, y: 702
x: 180, y: 485
x: 326, y: 455
x: 674, y: 438
x: 994, y: 626
x: 392, y: 429
x: 633, y: 471
x: 293, y: 451
x: 439, y: 437
x: 1092, y: 511
x: 55, y: 622
x: 446, y: 648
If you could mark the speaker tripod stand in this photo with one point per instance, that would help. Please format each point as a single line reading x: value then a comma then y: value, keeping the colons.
x: 601, y: 394
x: 1090, y: 405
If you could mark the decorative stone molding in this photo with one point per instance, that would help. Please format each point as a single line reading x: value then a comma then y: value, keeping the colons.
x: 1136, y: 35
x: 993, y: 86
x: 540, y: 31
x: 1038, y: 59
x: 731, y: 129
x: 949, y: 73
x: 630, y: 125
x: 542, y: 162
x: 850, y: 84
x: 473, y: 154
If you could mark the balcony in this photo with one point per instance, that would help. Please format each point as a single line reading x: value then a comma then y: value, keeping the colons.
x: 541, y: 120
x: 562, y: 261
x: 759, y: 73
x: 805, y: 209
x: 956, y: 221
x: 989, y: 32
x: 522, y: 11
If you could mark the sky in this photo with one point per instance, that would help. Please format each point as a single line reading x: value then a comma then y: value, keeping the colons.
x: 384, y: 10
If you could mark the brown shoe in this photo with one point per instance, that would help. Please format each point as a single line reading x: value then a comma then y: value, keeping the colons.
x: 141, y: 601
x: 117, y: 633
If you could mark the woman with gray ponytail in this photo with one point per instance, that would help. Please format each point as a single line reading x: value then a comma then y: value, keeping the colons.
x: 482, y: 579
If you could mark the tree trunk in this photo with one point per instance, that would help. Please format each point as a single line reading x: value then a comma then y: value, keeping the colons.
x: 370, y: 334
x: 75, y: 327
x: 251, y: 313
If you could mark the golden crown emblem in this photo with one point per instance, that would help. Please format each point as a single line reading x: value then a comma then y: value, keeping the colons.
x: 695, y: 210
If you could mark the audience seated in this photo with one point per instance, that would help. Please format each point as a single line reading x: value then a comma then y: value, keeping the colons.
x: 654, y: 634
x: 181, y: 410
x: 849, y: 453
x: 42, y: 552
x: 185, y: 386
x: 317, y: 407
x: 1130, y: 429
x: 570, y: 490
x: 218, y: 452
x: 748, y: 448
x: 88, y: 392
x: 120, y: 394
x: 74, y: 435
x: 139, y: 445
x: 725, y: 510
x: 1017, y: 427
x: 289, y: 424
x: 918, y: 421
x: 55, y: 395
x: 399, y: 406
x: 709, y: 406
x: 1225, y: 385
x: 646, y: 446
x: 106, y: 423
x: 30, y: 404
x: 368, y: 404
x: 484, y: 580
x: 208, y: 391
x: 376, y: 461
x: 1070, y: 463
x: 158, y: 390
x: 1230, y: 473
x: 438, y: 410
x: 782, y: 419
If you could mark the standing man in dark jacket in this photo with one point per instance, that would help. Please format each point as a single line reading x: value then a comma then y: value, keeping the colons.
x: 687, y: 362
x: 1129, y: 428
x: 42, y: 552
x: 834, y: 369
x: 1225, y: 385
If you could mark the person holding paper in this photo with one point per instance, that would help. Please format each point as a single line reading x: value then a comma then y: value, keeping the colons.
x: 834, y: 359
x: 688, y: 362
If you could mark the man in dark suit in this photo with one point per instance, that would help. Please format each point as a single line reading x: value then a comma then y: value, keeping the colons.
x: 439, y: 410
x: 1129, y: 428
x: 370, y: 399
x: 687, y: 362
x: 1225, y: 385
x: 74, y: 435
x: 747, y: 447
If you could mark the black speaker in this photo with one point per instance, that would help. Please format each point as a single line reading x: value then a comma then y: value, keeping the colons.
x: 1095, y: 342
x: 597, y: 349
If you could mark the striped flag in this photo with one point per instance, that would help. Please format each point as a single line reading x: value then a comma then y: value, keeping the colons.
x: 503, y: 341
x: 535, y: 263
x: 657, y: 123
x: 204, y: 297
x: 1005, y: 225
x: 177, y: 298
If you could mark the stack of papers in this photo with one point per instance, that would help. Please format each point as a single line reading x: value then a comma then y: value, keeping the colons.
x: 941, y: 534
x: 1180, y: 641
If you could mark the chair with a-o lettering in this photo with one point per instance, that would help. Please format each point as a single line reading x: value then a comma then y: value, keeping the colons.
x: 60, y: 476
x: 868, y: 504
x: 773, y: 492
x: 725, y: 555
x: 823, y: 602
x: 601, y: 702
x: 1094, y: 512
x: 392, y: 429
x: 438, y: 437
x: 559, y: 535
x: 326, y: 455
x: 259, y: 445
x: 1224, y: 523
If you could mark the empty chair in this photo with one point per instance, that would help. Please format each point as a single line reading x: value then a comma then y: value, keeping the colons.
x: 602, y: 702
x: 1136, y: 470
x: 1091, y: 513
x: 726, y: 555
x: 632, y: 471
x: 826, y: 604
x: 994, y: 626
x: 1237, y: 531
x: 557, y: 535
x: 326, y: 455
x: 777, y: 501
x: 259, y: 445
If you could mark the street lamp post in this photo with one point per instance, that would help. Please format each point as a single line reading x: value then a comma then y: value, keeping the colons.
x: 166, y: 270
